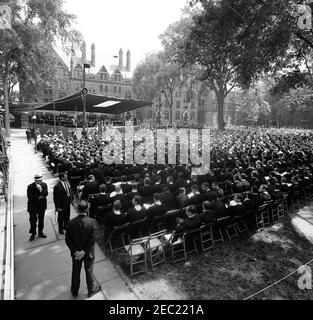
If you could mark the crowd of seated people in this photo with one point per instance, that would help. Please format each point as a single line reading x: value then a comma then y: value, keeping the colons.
x: 248, y: 168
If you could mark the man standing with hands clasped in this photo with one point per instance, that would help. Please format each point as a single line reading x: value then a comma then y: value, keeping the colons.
x: 36, y: 206
x: 80, y: 237
x: 62, y: 195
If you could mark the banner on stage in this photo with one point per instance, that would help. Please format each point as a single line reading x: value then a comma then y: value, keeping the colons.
x: 5, y: 17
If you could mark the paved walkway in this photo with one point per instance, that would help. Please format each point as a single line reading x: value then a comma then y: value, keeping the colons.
x: 43, y: 266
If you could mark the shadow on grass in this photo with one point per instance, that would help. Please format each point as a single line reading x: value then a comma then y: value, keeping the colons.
x: 234, y: 269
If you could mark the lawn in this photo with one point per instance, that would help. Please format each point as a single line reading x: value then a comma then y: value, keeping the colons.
x: 234, y: 269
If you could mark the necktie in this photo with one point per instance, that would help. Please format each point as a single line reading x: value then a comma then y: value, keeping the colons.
x: 67, y: 189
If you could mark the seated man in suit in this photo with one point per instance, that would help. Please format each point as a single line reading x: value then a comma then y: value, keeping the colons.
x: 157, y: 208
x: 138, y: 211
x: 99, y: 200
x: 116, y: 217
x: 192, y: 221
x: 195, y: 196
x: 91, y: 187
x: 182, y: 199
x: 158, y: 186
x: 134, y: 192
x: 146, y: 191
x: 207, y: 214
x: 168, y: 200
x: 119, y: 195
x: 218, y: 207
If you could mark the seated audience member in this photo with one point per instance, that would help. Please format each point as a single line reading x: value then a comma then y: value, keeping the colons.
x: 91, y: 187
x: 277, y: 194
x: 134, y: 192
x: 192, y: 221
x: 116, y: 217
x: 182, y: 199
x: 99, y: 200
x: 284, y: 186
x: 235, y: 206
x: 216, y: 189
x: 249, y: 203
x: 157, y: 208
x: 265, y: 196
x: 136, y: 212
x: 238, y: 186
x: 167, y: 199
x: 119, y: 195
x: 146, y: 191
x: 206, y: 192
x: 170, y: 184
x: 194, y: 197
x: 207, y: 214
x: 218, y: 207
x: 158, y: 186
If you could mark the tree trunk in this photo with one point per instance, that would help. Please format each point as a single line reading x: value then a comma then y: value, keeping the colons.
x: 171, y: 115
x: 6, y: 105
x: 220, y: 112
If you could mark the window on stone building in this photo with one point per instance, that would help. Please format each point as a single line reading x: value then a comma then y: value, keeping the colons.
x: 106, y: 88
x: 120, y: 90
x: 166, y: 115
x: 101, y: 88
x: 177, y: 104
x: 115, y: 89
x: 192, y: 115
x: 177, y: 115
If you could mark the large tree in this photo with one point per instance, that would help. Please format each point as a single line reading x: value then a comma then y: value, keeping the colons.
x: 157, y: 76
x: 26, y: 49
x: 235, y: 42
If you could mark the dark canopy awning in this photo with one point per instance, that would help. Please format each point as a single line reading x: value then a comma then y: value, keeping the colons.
x: 94, y: 104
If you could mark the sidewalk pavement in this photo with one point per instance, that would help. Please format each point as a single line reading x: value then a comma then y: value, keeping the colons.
x: 43, y: 266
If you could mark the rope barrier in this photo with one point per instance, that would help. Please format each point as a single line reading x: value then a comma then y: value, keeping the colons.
x: 278, y: 281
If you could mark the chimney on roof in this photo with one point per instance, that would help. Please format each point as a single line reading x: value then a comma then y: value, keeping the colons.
x: 93, y: 55
x: 128, y: 61
x: 120, y: 60
x: 83, y: 49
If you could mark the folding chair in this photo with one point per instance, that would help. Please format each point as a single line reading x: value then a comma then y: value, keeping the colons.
x: 276, y: 207
x: 231, y: 229
x: 295, y: 201
x: 118, y: 233
x: 156, y: 248
x: 137, y: 228
x: 241, y: 221
x: 285, y: 204
x: 218, y: 225
x: 262, y: 217
x: 156, y: 224
x: 136, y: 253
x: 177, y: 246
x: 206, y: 237
x: 189, y: 239
x: 170, y: 218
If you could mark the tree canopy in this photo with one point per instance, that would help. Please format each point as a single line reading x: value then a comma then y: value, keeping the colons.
x: 235, y: 42
x: 26, y: 49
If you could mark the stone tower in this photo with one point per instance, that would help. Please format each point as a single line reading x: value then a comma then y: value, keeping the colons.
x: 128, y: 65
x: 93, y: 55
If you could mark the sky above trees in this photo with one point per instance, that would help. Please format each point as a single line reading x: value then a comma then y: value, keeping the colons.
x: 114, y: 24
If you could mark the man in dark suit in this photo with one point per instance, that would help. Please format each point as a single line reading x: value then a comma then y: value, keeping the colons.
x: 157, y: 208
x: 80, y: 238
x: 36, y: 206
x: 91, y: 187
x: 62, y: 200
x: 99, y: 200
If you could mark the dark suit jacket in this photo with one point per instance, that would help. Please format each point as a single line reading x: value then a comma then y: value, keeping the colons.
x: 90, y: 188
x: 60, y: 198
x: 37, y: 200
x: 81, y: 235
x: 156, y: 210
